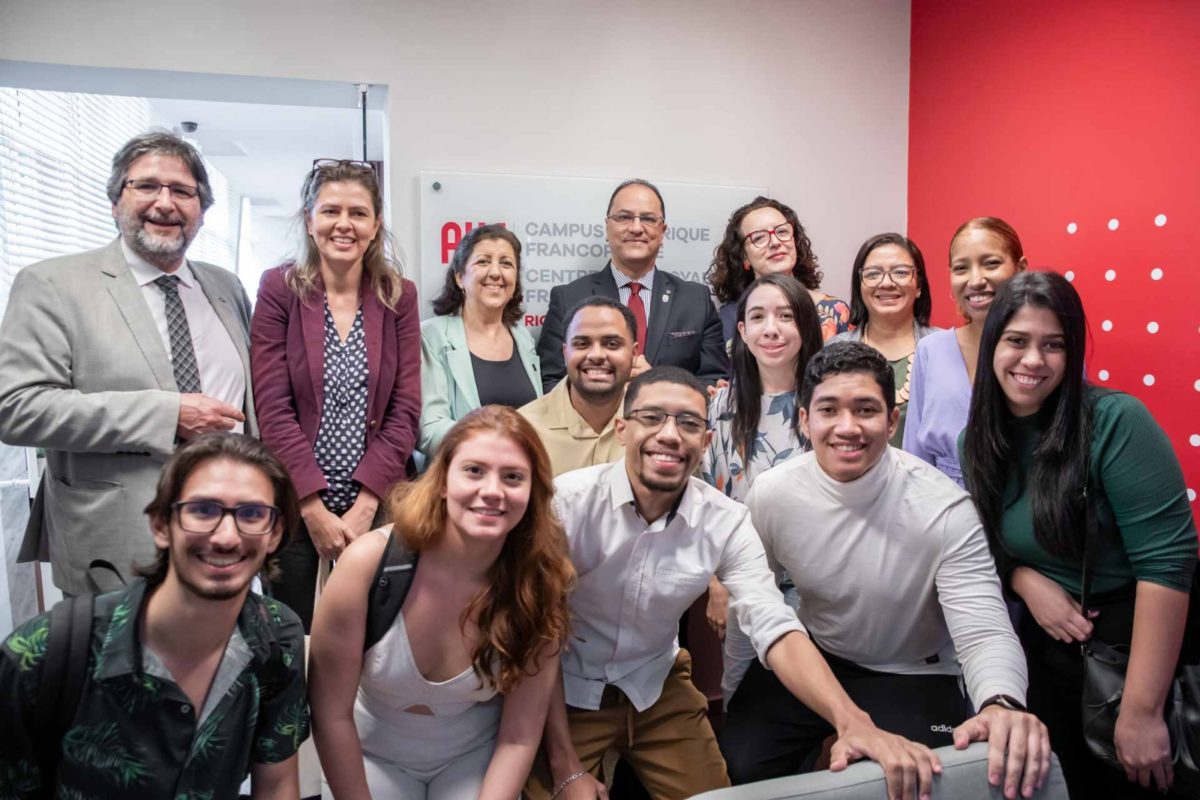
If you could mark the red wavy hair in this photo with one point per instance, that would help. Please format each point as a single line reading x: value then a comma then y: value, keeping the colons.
x: 523, y: 609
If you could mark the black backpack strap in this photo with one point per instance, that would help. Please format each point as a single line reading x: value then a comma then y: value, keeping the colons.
x: 393, y: 577
x: 64, y: 673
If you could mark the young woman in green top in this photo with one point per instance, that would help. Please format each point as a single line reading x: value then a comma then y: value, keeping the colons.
x: 1038, y: 434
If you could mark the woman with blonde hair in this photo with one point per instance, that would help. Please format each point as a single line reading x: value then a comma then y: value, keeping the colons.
x: 451, y: 701
x: 335, y: 357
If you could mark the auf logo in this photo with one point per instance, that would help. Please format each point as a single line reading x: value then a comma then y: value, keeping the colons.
x: 452, y: 234
x: 941, y: 729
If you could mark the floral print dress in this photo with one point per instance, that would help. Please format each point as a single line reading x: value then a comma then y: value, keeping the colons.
x: 725, y: 466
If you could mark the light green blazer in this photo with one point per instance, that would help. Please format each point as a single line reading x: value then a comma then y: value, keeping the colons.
x: 448, y: 391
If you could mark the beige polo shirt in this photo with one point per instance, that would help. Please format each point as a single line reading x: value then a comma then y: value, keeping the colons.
x: 569, y: 440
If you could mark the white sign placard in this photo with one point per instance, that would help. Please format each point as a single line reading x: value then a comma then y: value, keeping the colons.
x: 560, y: 222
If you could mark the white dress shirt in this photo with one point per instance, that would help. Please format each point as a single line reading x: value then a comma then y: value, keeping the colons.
x: 893, y: 570
x: 222, y: 374
x: 637, y: 579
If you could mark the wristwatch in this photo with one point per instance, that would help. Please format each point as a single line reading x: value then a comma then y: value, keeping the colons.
x: 1004, y: 701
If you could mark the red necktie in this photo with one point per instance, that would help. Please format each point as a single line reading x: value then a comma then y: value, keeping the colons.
x: 638, y: 309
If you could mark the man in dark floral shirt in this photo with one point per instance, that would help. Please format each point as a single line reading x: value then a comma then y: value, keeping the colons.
x: 193, y: 681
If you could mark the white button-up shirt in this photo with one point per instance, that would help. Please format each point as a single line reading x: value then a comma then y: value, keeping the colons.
x: 222, y: 374
x: 637, y: 578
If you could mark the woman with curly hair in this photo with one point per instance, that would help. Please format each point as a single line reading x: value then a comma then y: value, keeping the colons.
x: 765, y: 237
x: 451, y: 702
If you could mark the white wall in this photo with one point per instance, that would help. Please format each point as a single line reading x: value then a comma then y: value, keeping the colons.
x: 808, y: 97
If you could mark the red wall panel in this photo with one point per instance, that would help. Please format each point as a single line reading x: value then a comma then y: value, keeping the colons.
x: 1079, y: 123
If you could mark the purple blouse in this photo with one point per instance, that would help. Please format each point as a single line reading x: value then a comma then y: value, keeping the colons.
x: 939, y: 396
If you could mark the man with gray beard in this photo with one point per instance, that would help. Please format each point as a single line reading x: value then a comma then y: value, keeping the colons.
x: 113, y: 356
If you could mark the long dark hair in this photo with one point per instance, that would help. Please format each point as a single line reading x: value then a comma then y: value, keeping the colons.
x: 922, y: 306
x: 727, y: 276
x: 1060, y: 460
x: 745, y: 382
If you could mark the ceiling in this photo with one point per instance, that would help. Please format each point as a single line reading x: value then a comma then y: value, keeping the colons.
x: 265, y: 150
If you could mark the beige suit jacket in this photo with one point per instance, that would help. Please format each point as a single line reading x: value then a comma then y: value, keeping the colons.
x: 85, y: 376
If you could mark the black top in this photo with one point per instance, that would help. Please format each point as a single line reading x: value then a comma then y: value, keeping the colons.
x: 342, y: 435
x: 504, y: 383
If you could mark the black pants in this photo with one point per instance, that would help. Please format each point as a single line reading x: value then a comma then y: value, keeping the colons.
x: 768, y: 733
x: 297, y: 584
x: 1056, y: 692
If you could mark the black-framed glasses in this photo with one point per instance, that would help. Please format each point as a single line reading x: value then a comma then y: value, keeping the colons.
x: 329, y: 163
x: 901, y: 276
x: 625, y: 219
x: 204, y: 516
x: 760, y: 238
x: 150, y: 189
x: 652, y: 419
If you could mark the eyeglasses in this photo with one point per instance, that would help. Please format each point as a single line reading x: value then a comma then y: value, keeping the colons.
x: 329, y: 163
x: 652, y: 419
x: 149, y: 189
x: 625, y: 219
x: 204, y: 516
x: 901, y: 276
x: 760, y: 238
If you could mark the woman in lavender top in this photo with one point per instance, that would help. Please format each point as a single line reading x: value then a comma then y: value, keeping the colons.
x: 984, y: 254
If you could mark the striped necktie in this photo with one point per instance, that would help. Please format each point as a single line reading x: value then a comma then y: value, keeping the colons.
x: 183, y: 356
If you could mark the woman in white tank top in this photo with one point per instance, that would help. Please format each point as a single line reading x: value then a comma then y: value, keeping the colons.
x: 451, y: 701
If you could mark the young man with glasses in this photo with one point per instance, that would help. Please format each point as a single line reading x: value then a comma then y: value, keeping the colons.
x: 676, y: 320
x: 112, y: 356
x: 645, y: 538
x: 191, y: 680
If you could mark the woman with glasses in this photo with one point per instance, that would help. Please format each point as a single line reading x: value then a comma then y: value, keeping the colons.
x: 890, y: 305
x: 336, y: 366
x: 985, y: 253
x: 451, y: 702
x: 765, y: 237
x: 1042, y: 446
x: 755, y: 419
x: 476, y: 351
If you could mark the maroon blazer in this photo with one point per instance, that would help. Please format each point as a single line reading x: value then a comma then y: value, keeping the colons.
x: 287, y: 364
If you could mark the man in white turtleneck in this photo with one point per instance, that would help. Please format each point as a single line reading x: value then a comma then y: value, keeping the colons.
x: 897, y: 588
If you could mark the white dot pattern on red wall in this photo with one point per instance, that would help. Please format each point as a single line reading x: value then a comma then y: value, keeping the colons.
x: 1128, y: 268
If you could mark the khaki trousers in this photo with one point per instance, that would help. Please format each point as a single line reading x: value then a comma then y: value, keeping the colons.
x: 670, y: 745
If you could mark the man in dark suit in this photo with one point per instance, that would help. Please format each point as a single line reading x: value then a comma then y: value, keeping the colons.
x: 676, y: 318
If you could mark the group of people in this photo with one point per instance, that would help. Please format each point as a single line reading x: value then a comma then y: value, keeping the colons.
x: 518, y: 527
